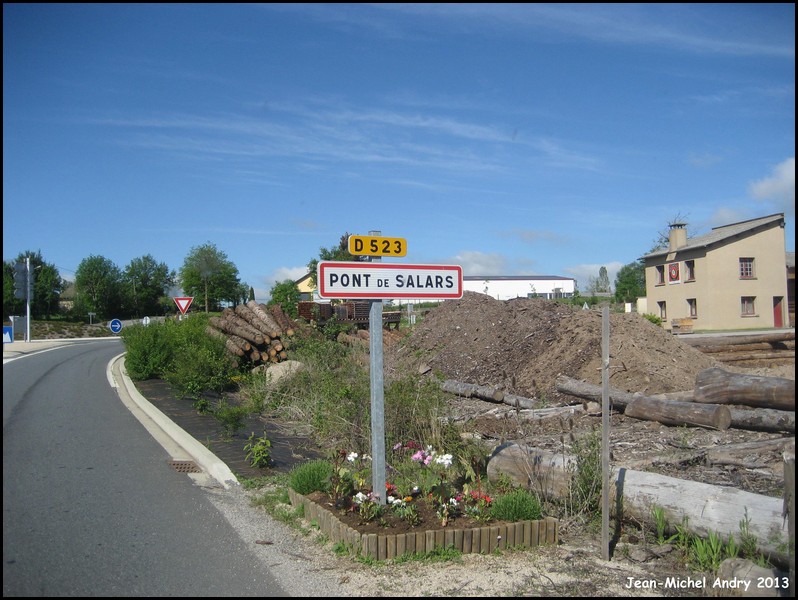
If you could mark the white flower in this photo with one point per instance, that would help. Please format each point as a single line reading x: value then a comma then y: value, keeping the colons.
x: 360, y: 497
x: 352, y: 456
x: 444, y: 459
x: 366, y: 457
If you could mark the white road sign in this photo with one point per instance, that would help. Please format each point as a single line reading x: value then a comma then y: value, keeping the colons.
x: 379, y: 281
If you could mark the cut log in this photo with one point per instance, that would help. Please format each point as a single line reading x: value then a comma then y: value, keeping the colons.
x: 763, y: 419
x: 271, y: 325
x: 240, y: 342
x: 253, y: 335
x: 232, y: 348
x: 467, y: 390
x: 668, y: 412
x: 745, y: 348
x: 722, y: 387
x: 581, y: 389
x: 705, y: 507
x: 282, y: 319
x: 246, y: 313
x: 521, y: 401
x: 721, y: 340
x: 228, y: 326
x: 752, y: 420
x: 730, y: 357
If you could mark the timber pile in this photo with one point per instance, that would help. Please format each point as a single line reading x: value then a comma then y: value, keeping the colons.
x: 762, y: 403
x: 739, y: 349
x: 253, y: 332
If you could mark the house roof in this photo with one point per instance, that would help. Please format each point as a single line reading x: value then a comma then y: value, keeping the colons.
x: 719, y: 234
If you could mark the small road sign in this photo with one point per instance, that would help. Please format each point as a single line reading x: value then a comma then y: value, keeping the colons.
x: 377, y: 281
x: 375, y: 245
x: 8, y: 335
x: 183, y: 304
x: 115, y: 325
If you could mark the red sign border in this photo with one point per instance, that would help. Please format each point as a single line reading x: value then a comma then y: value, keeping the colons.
x: 388, y: 295
x: 183, y: 310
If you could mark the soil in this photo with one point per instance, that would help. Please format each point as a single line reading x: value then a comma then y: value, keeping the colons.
x: 390, y: 522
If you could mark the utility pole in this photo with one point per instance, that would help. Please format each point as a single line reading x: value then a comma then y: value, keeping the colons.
x: 23, y: 288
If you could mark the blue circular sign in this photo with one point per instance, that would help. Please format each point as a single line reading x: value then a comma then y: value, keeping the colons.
x: 115, y: 325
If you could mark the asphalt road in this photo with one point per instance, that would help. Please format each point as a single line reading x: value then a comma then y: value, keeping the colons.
x: 91, y: 506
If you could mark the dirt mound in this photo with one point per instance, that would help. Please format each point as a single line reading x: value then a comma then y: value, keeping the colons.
x: 524, y: 344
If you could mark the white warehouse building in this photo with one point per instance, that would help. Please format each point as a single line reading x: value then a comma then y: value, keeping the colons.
x: 505, y: 287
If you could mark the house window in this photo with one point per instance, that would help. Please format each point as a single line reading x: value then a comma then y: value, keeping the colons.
x: 747, y: 308
x: 661, y: 275
x: 746, y: 268
x: 693, y: 306
x: 663, y: 314
x: 689, y: 270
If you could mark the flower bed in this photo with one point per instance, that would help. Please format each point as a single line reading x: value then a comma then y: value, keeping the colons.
x: 479, y: 540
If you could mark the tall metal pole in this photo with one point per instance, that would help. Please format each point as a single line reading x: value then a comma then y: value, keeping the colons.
x: 27, y: 295
x: 377, y: 398
x: 605, y: 433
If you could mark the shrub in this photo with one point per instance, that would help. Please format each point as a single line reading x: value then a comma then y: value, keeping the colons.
x: 518, y: 505
x: 312, y: 476
x: 653, y: 318
x: 149, y: 350
x: 181, y: 353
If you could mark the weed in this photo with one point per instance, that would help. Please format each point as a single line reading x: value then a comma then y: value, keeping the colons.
x: 259, y: 453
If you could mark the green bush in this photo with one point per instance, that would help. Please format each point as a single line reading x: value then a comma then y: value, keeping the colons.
x: 149, y: 349
x: 518, y: 505
x: 653, y: 318
x: 312, y: 476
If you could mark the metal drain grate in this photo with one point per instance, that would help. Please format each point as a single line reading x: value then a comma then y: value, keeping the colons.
x: 184, y: 466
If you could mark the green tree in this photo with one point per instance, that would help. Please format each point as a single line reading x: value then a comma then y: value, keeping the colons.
x: 286, y: 294
x: 630, y: 282
x: 144, y: 284
x: 339, y: 252
x: 251, y: 294
x: 208, y: 273
x: 47, y: 287
x: 98, y: 283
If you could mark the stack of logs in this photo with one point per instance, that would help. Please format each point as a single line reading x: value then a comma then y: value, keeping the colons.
x: 253, y: 332
x: 740, y: 349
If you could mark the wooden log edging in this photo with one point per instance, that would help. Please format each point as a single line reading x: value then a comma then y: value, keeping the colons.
x: 478, y: 540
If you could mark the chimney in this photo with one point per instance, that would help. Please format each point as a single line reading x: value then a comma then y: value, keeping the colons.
x: 677, y: 237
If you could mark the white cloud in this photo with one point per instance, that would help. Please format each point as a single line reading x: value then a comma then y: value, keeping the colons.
x: 778, y: 188
x: 478, y: 263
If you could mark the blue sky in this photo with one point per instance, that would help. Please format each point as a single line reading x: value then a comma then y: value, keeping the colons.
x: 541, y: 139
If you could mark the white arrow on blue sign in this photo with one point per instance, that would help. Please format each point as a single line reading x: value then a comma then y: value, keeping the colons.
x: 115, y: 325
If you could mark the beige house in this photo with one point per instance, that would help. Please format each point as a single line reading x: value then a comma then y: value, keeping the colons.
x: 305, y: 286
x: 733, y: 277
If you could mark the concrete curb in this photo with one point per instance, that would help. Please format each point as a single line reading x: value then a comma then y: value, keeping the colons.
x: 209, y: 462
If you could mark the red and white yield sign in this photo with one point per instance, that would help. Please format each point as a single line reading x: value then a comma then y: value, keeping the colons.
x: 183, y: 304
x: 378, y: 281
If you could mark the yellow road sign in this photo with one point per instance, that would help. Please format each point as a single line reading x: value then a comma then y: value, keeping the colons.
x: 372, y: 245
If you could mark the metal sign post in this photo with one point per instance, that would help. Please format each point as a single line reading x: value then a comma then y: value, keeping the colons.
x: 377, y: 403
x: 376, y: 281
x: 605, y: 433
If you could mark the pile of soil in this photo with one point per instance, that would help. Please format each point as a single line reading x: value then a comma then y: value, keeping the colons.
x: 524, y: 344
